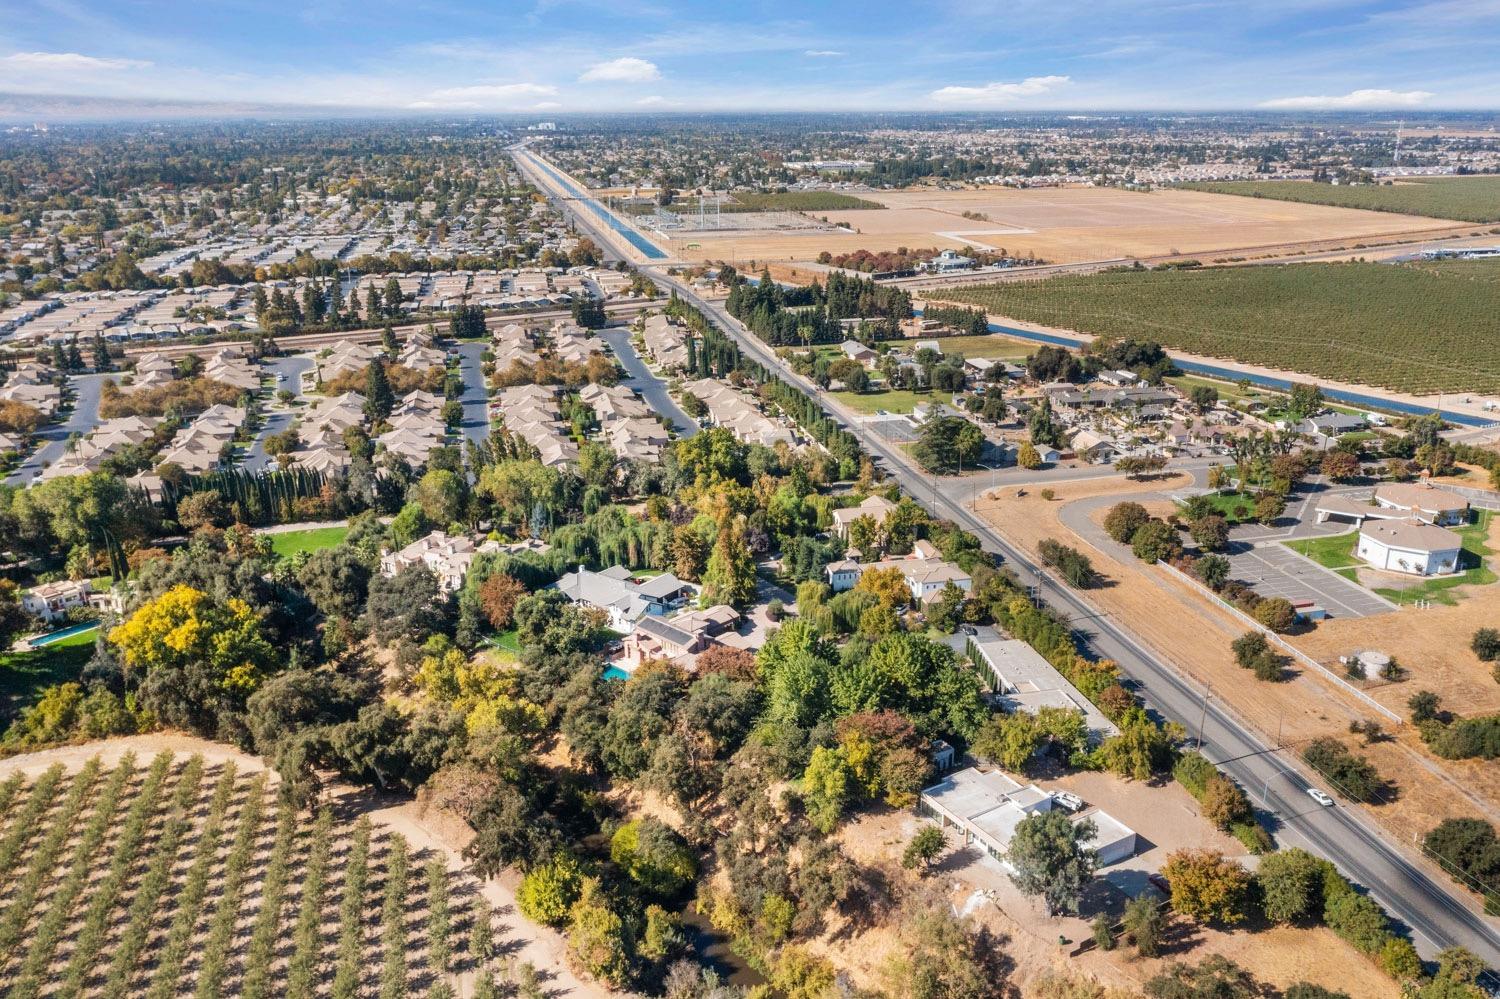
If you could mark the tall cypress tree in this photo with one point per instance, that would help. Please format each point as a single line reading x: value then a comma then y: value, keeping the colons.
x: 379, y: 399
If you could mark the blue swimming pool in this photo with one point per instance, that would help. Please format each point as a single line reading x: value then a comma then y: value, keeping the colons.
x: 615, y: 673
x: 57, y: 636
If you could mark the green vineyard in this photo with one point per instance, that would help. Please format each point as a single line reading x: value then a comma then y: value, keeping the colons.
x: 1464, y: 199
x: 188, y: 878
x: 1419, y: 328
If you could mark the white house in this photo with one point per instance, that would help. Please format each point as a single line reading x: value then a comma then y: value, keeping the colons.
x: 1408, y: 546
x: 52, y: 601
x: 842, y: 575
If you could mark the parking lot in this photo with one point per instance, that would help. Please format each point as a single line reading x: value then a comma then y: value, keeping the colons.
x: 1276, y: 571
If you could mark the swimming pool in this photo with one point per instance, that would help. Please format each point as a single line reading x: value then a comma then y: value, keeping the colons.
x: 57, y: 636
x: 615, y: 673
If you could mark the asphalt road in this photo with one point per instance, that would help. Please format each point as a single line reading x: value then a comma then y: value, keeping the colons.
x: 276, y: 420
x: 1435, y: 917
x: 476, y: 397
x: 651, y: 388
x: 83, y: 418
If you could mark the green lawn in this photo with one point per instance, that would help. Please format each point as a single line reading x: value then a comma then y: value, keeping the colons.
x: 1227, y: 505
x: 289, y: 543
x: 788, y: 201
x: 24, y: 674
x: 1337, y: 553
x: 993, y: 345
x: 890, y: 400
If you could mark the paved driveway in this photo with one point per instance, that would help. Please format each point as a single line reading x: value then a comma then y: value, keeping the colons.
x: 1276, y: 571
x: 476, y: 397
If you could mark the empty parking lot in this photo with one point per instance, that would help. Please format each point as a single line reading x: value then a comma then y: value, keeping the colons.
x: 1275, y: 571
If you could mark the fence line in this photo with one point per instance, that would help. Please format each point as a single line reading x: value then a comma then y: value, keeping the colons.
x: 1292, y: 650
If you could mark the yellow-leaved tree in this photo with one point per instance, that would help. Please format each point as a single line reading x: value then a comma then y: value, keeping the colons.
x: 185, y: 631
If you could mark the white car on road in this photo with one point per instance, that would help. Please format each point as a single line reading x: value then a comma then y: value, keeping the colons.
x: 1321, y: 797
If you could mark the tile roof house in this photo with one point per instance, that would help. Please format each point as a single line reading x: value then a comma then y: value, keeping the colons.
x: 447, y: 556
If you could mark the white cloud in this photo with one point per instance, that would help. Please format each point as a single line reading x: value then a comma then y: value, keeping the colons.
x: 990, y: 93
x: 507, y: 94
x: 1354, y: 99
x: 72, y: 62
x: 624, y: 70
x: 822, y: 54
x: 652, y: 100
x: 546, y: 105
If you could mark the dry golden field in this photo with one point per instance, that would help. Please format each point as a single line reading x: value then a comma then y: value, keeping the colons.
x: 1063, y: 225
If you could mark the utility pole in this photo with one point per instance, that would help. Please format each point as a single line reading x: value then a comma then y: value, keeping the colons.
x: 1203, y: 717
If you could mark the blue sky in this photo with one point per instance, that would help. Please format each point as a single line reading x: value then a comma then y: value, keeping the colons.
x: 582, y: 55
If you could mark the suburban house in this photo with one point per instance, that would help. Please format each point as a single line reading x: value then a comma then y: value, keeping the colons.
x: 1094, y: 448
x: 625, y: 598
x: 985, y: 809
x: 448, y: 557
x: 874, y: 507
x: 924, y: 571
x: 843, y: 574
x: 52, y: 601
x: 856, y: 351
x: 1024, y: 681
x: 1408, y: 546
x: 677, y: 639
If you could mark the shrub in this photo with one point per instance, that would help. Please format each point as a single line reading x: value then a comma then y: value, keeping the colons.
x: 1253, y: 836
x: 1424, y: 706
x: 1124, y: 519
x: 1071, y: 564
x: 1276, y: 613
x: 547, y: 892
x: 1212, y: 571
x: 1155, y: 541
x: 1351, y: 776
x: 1486, y: 644
x: 1104, y: 932
x: 1208, y: 887
x: 1470, y: 850
x: 1398, y: 958
x: 1468, y: 738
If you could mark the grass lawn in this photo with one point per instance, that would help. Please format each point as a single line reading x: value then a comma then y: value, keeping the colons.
x: 1227, y: 504
x: 289, y: 543
x: 24, y: 674
x: 890, y: 400
x: 1336, y: 552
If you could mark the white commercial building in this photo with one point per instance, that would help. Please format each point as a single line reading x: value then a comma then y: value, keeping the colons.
x: 986, y: 808
x: 1408, y: 546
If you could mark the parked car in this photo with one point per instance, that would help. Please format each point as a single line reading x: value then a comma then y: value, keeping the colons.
x: 1321, y: 797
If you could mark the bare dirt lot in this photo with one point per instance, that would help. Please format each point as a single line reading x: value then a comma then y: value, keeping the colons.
x: 1062, y: 225
x: 1029, y: 938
